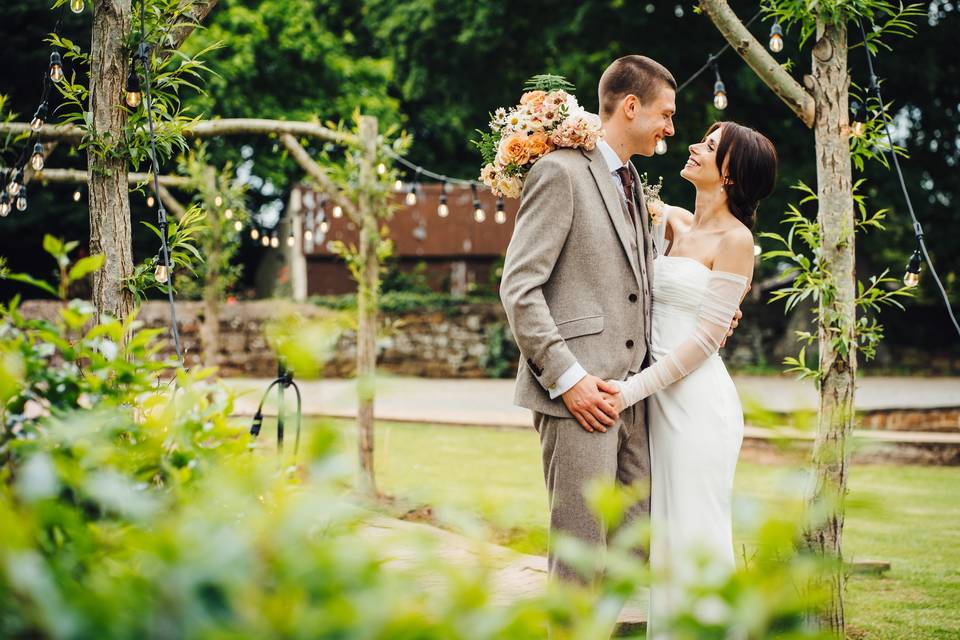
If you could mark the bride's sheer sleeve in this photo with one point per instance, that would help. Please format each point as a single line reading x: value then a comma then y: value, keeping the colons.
x: 720, y: 303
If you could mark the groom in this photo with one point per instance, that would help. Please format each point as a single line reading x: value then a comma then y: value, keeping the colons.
x: 576, y: 289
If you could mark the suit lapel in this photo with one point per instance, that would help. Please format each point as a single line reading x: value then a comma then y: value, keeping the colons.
x: 644, y: 239
x: 601, y: 175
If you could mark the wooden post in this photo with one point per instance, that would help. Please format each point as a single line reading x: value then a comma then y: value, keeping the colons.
x: 210, y: 328
x: 109, y: 198
x: 367, y: 301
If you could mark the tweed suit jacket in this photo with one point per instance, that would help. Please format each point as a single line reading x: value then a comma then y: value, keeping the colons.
x: 576, y: 277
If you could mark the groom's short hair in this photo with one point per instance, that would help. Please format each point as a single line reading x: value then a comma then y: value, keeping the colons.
x: 637, y: 75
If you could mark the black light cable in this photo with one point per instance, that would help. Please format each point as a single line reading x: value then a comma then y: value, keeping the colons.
x: 283, y: 381
x: 913, y: 267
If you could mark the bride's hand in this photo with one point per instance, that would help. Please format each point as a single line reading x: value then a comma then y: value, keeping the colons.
x: 615, y: 400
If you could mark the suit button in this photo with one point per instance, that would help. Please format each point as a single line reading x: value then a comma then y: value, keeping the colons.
x: 629, y: 344
x: 632, y: 297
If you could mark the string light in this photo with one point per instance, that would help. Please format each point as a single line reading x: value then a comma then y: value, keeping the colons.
x: 151, y: 201
x: 324, y: 227
x: 661, y: 147
x: 858, y: 110
x: 912, y: 277
x: 218, y: 201
x: 238, y: 226
x: 254, y: 234
x: 228, y: 213
x: 56, y: 67
x: 76, y: 6
x: 4, y: 204
x: 776, y: 38
x: 308, y: 235
x: 337, y: 211
x: 398, y: 185
x: 22, y: 199
x: 411, y: 198
x: 478, y: 213
x: 291, y: 239
x: 39, y: 117
x: 274, y: 240
x: 77, y: 195
x: 161, y: 273
x: 381, y: 169
x: 719, y: 90
x: 36, y: 160
x: 443, y: 209
x: 500, y: 217
x: 265, y: 240
x: 134, y: 94
x: 14, y: 187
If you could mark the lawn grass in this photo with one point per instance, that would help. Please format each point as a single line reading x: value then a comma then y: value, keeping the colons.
x: 906, y: 515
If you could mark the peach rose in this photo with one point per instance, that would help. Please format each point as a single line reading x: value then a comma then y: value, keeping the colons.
x: 513, y: 150
x: 488, y: 174
x: 509, y: 186
x: 534, y: 98
x: 538, y: 144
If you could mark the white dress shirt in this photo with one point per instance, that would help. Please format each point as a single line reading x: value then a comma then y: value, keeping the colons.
x: 576, y: 373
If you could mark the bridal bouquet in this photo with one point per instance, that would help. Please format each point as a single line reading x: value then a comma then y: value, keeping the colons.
x: 547, y: 118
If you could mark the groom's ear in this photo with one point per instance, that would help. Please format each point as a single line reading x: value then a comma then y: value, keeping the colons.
x: 630, y: 105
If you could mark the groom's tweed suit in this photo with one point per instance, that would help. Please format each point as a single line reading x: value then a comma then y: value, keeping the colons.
x: 576, y: 289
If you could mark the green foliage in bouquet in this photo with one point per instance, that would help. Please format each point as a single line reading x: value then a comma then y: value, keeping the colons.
x: 547, y: 82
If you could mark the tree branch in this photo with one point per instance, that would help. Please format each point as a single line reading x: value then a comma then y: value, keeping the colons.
x: 198, y: 14
x: 315, y: 171
x: 756, y: 56
x: 72, y: 176
x: 171, y: 203
x: 204, y: 129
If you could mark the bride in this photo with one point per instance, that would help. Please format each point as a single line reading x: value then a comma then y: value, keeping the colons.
x: 703, y: 268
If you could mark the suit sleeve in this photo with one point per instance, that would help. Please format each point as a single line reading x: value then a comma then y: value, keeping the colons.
x: 542, y: 227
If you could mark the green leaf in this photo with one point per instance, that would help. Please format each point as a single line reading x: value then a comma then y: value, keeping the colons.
x: 40, y: 284
x: 86, y: 265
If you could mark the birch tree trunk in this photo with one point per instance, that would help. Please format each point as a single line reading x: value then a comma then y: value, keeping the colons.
x: 837, y: 318
x: 109, y: 199
x: 367, y: 301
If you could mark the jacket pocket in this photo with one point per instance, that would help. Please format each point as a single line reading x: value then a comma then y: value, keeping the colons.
x: 580, y: 327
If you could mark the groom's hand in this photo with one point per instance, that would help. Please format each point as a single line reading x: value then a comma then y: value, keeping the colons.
x: 733, y: 325
x: 585, y: 401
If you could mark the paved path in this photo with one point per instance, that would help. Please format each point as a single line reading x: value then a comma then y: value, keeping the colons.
x: 490, y: 402
x: 514, y: 576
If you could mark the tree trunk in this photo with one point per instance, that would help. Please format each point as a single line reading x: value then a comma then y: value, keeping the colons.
x: 210, y: 329
x: 367, y: 302
x: 838, y: 359
x: 109, y: 197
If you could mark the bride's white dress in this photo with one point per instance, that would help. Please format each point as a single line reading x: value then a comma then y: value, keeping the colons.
x: 695, y: 421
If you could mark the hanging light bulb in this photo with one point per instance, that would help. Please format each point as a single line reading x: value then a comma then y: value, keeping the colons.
x: 776, y: 38
x: 4, y: 204
x: 411, y: 198
x: 77, y: 195
x: 757, y: 250
x: 36, y: 160
x: 217, y: 201
x: 338, y: 211
x: 39, y: 117
x: 398, y: 185
x: 719, y: 95
x: 274, y: 240
x: 478, y: 213
x: 500, y: 217
x: 151, y: 201
x: 76, y: 6
x: 308, y: 236
x: 859, y: 111
x: 912, y: 277
x: 291, y: 239
x: 228, y: 214
x: 265, y: 240
x: 238, y: 225
x: 22, y: 199
x: 56, y: 67
x: 14, y: 187
x: 661, y: 147
x: 162, y: 273
x: 324, y: 227
x: 443, y: 210
x: 134, y: 95
x: 254, y: 234
x: 381, y: 169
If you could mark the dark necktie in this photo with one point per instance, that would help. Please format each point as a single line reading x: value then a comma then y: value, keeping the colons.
x: 626, y: 181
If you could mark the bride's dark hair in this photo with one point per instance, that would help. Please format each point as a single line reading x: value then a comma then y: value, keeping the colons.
x: 751, y: 168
